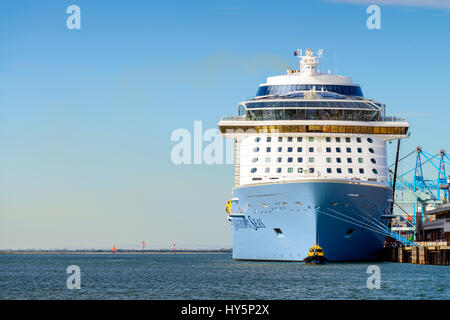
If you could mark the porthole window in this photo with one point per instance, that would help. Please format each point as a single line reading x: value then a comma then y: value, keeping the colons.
x: 328, y: 139
x: 311, y: 139
x: 347, y: 139
x: 311, y: 149
x: 370, y: 140
x: 278, y: 170
x: 267, y: 159
x: 269, y: 139
x: 268, y: 149
x: 328, y: 170
x: 360, y: 160
x: 328, y: 160
x: 254, y: 160
x: 338, y: 160
x: 267, y: 170
x: 371, y: 150
x: 256, y: 149
x: 258, y: 139
x: 311, y: 160
x: 358, y: 140
x: 299, y: 149
x: 328, y: 149
x: 290, y: 149
x: 338, y: 139
x: 289, y: 159
x: 253, y: 170
x: 359, y: 150
x: 290, y: 170
x: 349, y: 150
x: 373, y: 160
x: 280, y: 149
x: 299, y: 139
x: 350, y: 170
x: 300, y: 170
x: 361, y: 170
x: 339, y: 170
x: 375, y: 171
x: 289, y: 139
x: 338, y: 149
x: 278, y: 159
x: 280, y: 139
x: 349, y: 160
x: 299, y: 159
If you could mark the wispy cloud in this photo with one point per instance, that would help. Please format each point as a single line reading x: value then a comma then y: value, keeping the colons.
x: 434, y: 4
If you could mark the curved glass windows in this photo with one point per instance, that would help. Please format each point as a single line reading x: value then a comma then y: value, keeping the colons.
x: 256, y: 149
x: 371, y: 150
x: 375, y: 171
x: 253, y: 170
x: 257, y: 139
x: 254, y: 160
x: 373, y: 160
x: 312, y: 114
x: 284, y: 89
x: 370, y: 140
x: 241, y: 110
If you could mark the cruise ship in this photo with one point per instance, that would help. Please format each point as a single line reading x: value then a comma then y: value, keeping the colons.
x: 310, y: 168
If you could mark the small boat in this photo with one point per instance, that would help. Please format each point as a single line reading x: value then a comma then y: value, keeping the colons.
x: 315, y: 255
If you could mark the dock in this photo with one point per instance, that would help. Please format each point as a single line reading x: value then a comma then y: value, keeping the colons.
x: 435, y: 253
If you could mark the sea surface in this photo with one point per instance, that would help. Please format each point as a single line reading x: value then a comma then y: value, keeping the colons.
x: 210, y: 276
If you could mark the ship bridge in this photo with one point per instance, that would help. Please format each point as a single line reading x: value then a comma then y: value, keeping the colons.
x: 308, y: 78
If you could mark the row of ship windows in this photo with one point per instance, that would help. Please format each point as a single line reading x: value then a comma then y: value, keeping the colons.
x: 311, y: 149
x: 311, y: 139
x: 311, y: 170
x: 311, y: 160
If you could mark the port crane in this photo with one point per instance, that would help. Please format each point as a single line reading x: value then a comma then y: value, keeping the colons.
x: 417, y: 193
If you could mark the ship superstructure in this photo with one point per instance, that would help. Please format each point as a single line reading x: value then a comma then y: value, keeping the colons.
x: 310, y: 168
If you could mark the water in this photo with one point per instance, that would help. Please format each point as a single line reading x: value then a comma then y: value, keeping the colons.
x: 210, y: 276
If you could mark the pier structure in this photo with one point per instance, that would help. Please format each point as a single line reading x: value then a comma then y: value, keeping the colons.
x: 436, y: 253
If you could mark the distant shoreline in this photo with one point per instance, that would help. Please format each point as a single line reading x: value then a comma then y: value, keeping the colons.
x: 122, y: 251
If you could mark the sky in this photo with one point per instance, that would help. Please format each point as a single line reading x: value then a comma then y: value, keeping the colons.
x: 86, y: 115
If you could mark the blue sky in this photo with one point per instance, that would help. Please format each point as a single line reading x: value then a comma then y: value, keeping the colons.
x: 86, y: 115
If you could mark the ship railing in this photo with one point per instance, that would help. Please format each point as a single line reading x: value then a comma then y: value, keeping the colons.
x: 381, y: 119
